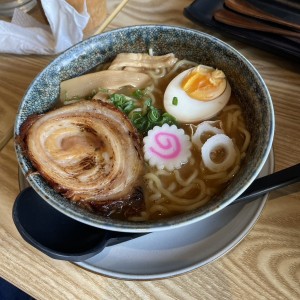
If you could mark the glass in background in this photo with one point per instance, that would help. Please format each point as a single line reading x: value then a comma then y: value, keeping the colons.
x: 7, y: 7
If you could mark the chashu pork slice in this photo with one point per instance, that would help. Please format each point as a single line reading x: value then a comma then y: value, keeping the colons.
x: 88, y: 151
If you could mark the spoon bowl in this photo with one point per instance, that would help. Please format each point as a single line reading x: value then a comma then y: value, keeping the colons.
x: 58, y: 235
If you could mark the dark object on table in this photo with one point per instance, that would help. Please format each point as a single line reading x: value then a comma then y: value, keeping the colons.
x: 10, y: 292
x: 58, y: 235
x: 202, y: 12
x: 246, y: 8
x: 288, y: 10
x: 228, y: 17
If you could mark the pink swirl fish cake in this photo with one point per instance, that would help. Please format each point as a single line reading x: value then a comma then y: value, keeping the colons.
x: 167, y: 147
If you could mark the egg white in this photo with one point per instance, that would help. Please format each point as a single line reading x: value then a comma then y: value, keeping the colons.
x: 189, y: 110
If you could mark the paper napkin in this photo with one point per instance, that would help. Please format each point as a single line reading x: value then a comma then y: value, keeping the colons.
x: 25, y: 35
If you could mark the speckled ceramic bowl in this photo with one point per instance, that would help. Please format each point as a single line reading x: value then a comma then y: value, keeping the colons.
x: 185, y: 43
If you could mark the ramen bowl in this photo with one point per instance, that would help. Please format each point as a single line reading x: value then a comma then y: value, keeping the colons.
x: 247, y: 84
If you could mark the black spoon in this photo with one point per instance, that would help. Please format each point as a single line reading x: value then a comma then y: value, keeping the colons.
x: 58, y: 235
x: 62, y: 237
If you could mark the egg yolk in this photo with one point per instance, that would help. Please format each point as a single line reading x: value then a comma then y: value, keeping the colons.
x: 204, y: 83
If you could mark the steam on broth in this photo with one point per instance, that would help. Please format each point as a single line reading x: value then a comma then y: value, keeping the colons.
x: 192, y: 131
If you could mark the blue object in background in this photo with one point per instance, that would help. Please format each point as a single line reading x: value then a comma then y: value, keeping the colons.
x: 10, y: 292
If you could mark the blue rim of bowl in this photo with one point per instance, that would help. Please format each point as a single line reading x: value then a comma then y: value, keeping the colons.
x: 126, y: 226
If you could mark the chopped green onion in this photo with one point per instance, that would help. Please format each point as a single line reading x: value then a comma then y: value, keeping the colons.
x: 175, y: 101
x: 146, y: 117
x: 153, y: 114
x: 139, y: 94
x: 146, y: 106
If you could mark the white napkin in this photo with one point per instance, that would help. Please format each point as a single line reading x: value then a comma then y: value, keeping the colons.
x: 25, y: 35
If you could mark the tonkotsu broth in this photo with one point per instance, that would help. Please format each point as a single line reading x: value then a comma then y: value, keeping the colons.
x: 172, y: 193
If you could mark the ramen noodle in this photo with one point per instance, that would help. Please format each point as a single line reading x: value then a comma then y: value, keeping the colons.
x: 193, y: 133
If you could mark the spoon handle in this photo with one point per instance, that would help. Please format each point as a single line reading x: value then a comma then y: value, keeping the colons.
x: 269, y: 183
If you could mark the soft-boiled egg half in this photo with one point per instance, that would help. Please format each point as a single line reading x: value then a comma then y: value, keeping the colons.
x: 197, y: 94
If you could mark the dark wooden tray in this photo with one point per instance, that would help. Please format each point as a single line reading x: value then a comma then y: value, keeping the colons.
x: 202, y: 11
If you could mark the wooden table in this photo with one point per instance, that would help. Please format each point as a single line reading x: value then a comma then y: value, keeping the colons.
x: 265, y: 265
